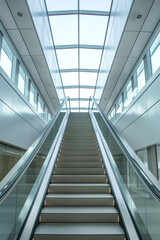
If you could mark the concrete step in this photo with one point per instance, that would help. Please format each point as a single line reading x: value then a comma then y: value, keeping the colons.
x: 79, y: 188
x: 79, y: 214
x: 79, y: 158
x: 79, y: 153
x: 79, y: 231
x: 79, y: 199
x: 79, y: 179
x: 79, y: 171
x: 79, y: 164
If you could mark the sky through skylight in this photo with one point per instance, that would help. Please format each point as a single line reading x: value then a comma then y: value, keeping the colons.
x: 79, y: 28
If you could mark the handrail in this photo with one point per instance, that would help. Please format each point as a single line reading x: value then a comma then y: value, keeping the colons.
x: 9, y: 180
x: 41, y: 189
x: 146, y: 175
x: 116, y: 190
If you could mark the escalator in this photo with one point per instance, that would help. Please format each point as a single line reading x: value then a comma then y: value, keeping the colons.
x: 79, y: 180
x: 79, y: 203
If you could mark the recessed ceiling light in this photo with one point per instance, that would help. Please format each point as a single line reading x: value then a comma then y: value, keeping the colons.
x: 139, y: 16
x: 19, y: 14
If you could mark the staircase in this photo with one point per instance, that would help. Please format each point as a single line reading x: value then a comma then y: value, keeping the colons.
x: 79, y: 204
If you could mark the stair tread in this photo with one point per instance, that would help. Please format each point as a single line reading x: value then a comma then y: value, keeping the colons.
x: 79, y: 195
x: 80, y: 184
x: 79, y: 204
x: 79, y: 228
x: 79, y: 209
x: 77, y: 175
x: 79, y: 178
x: 79, y: 164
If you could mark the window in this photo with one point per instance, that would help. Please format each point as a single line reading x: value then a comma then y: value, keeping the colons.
x: 128, y: 94
x: 6, y: 57
x: 155, y: 53
x: 113, y: 112
x: 21, y: 80
x: 119, y: 104
x: 32, y: 95
x: 45, y: 113
x: 40, y: 105
x: 141, y: 76
x: 49, y: 116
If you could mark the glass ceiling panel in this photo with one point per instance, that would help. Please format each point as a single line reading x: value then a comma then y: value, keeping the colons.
x: 67, y: 58
x: 84, y: 104
x: 64, y: 29
x: 83, y: 110
x: 87, y: 78
x: 69, y: 78
x: 86, y: 93
x: 71, y: 92
x: 77, y: 29
x: 74, y: 104
x: 92, y: 29
x: 90, y: 58
x: 61, y: 5
x: 75, y: 110
x: 96, y: 5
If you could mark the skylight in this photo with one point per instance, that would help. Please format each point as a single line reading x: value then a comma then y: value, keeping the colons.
x: 79, y: 29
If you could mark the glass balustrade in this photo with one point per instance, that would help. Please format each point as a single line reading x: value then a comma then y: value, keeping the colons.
x: 142, y: 203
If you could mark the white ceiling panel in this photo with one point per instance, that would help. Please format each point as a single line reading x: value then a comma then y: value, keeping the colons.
x: 29, y: 64
x: 151, y: 21
x: 129, y: 65
x: 118, y: 65
x: 40, y: 64
x: 120, y: 83
x: 126, y: 43
x: 37, y: 79
x: 20, y: 6
x: 31, y: 40
x: 8, y: 21
x: 140, y: 7
x: 47, y: 78
x: 18, y: 42
x: 140, y: 43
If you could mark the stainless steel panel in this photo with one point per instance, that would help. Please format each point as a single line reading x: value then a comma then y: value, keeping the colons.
x: 14, y: 129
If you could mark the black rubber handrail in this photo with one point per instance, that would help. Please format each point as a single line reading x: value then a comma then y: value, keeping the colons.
x: 147, y: 177
x: 26, y: 159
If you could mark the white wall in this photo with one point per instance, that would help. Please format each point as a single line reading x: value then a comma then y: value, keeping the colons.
x: 19, y: 124
x: 140, y: 124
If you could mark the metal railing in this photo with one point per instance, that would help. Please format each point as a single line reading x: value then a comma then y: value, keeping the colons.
x: 147, y: 176
x: 20, y: 187
x: 25, y: 160
x: 139, y: 188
